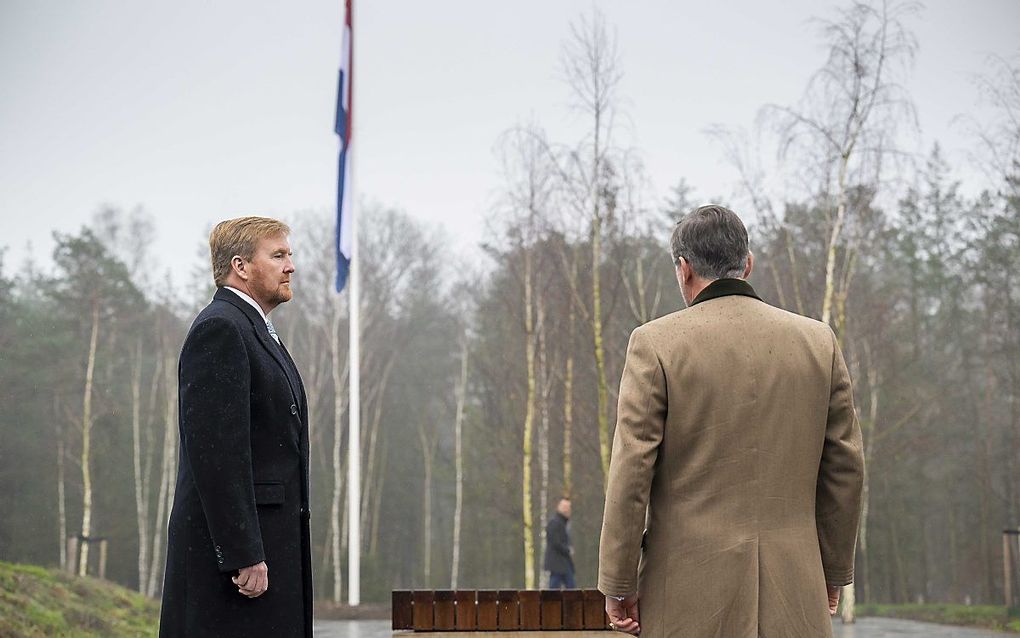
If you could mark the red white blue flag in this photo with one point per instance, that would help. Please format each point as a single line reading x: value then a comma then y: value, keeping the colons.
x: 343, y: 130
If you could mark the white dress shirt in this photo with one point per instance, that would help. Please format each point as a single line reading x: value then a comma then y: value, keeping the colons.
x: 254, y: 304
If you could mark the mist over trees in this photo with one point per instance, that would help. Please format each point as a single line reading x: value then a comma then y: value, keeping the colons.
x: 489, y: 389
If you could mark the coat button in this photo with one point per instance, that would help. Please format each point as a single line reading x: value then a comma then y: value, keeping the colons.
x: 293, y: 408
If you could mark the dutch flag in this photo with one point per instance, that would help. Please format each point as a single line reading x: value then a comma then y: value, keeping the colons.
x: 343, y: 130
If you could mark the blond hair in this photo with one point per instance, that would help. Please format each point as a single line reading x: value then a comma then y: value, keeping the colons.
x: 239, y: 237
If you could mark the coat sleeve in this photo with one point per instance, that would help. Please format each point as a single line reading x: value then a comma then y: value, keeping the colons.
x: 641, y: 415
x: 840, y: 478
x: 215, y: 382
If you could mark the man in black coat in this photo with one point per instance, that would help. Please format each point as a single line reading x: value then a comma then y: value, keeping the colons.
x: 559, y: 557
x: 238, y: 561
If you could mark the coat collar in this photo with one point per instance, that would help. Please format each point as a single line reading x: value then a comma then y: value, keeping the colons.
x: 222, y: 294
x: 725, y: 288
x: 275, y: 350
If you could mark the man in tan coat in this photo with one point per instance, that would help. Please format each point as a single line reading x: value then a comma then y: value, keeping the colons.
x: 735, y: 483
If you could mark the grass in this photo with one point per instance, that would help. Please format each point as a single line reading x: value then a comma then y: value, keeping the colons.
x: 36, y: 601
x: 985, y: 616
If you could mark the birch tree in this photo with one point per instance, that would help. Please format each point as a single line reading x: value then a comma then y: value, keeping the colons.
x: 458, y: 432
x: 849, y: 114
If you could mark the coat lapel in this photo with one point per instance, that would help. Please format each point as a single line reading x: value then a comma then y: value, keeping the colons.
x: 274, y: 349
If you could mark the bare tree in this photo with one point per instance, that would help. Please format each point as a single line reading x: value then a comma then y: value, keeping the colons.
x: 850, y: 113
x: 591, y: 69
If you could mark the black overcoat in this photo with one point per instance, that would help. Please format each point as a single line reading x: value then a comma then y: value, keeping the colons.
x: 242, y: 482
x: 557, y: 550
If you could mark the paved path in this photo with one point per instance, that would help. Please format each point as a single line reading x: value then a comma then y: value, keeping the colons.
x: 865, y: 628
x: 891, y: 628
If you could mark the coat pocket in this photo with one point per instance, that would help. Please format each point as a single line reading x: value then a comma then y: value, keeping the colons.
x: 269, y: 493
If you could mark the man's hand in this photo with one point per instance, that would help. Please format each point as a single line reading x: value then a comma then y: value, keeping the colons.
x: 252, y: 581
x: 623, y: 615
x: 833, y: 591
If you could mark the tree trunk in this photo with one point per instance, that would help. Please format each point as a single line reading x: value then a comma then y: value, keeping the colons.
x: 141, y: 497
x: 543, y: 442
x: 61, y: 501
x: 86, y: 445
x: 598, y: 346
x: 458, y: 434
x: 372, y: 444
x: 568, y: 395
x: 835, y: 236
x: 166, y: 483
x: 377, y: 505
x: 850, y: 595
x: 427, y: 452
x: 529, y: 419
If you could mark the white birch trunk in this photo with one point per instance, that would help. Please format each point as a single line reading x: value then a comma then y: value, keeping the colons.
x: 529, y: 420
x: 458, y: 434
x: 543, y: 443
x: 141, y: 498
x: 86, y: 446
x: 167, y: 471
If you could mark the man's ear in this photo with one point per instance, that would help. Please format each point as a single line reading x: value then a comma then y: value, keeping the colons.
x: 684, y: 271
x: 750, y: 265
x: 237, y: 265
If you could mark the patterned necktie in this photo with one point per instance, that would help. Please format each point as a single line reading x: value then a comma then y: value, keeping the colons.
x: 272, y: 331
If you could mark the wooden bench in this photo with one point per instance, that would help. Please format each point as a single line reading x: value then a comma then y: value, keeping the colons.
x: 499, y: 610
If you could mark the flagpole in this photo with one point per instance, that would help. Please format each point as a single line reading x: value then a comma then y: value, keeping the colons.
x: 354, y: 431
x: 354, y: 443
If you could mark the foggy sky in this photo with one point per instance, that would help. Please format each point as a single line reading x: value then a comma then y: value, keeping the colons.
x: 200, y: 111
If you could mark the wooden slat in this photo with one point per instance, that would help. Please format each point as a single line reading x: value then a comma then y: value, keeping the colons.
x: 423, y: 610
x: 573, y: 609
x: 443, y: 611
x: 488, y: 610
x: 552, y: 609
x: 466, y: 610
x: 401, y: 601
x: 531, y: 609
x: 509, y: 617
x: 595, y: 610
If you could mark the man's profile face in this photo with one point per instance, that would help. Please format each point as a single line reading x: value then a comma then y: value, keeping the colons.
x: 564, y: 507
x: 270, y: 270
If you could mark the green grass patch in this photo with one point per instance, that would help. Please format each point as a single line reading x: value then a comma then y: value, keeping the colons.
x: 36, y: 601
x: 985, y: 616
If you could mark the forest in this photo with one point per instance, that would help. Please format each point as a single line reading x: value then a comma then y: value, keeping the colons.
x: 489, y: 380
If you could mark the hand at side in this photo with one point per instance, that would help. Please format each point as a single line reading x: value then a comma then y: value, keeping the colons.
x: 833, y: 591
x: 623, y: 615
x: 252, y: 581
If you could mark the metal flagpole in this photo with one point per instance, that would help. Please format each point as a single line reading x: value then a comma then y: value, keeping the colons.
x: 354, y: 430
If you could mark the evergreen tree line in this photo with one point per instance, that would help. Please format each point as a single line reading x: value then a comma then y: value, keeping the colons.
x: 489, y: 390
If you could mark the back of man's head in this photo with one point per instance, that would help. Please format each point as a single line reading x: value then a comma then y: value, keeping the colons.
x: 713, y: 240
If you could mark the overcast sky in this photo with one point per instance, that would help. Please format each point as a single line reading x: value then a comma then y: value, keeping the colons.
x: 203, y: 110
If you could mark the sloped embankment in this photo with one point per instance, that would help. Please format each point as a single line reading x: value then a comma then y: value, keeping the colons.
x: 36, y: 601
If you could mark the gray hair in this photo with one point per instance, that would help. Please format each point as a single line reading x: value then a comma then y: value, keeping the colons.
x: 713, y: 240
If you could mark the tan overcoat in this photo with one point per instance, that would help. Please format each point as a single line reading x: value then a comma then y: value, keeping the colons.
x: 738, y: 449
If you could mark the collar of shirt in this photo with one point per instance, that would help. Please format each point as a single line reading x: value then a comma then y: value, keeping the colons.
x: 725, y: 287
x: 246, y: 297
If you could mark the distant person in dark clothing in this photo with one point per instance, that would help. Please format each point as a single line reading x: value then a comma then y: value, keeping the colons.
x: 559, y: 560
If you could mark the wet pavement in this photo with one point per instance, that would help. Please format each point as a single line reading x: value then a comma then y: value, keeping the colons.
x: 892, y: 628
x: 864, y: 628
